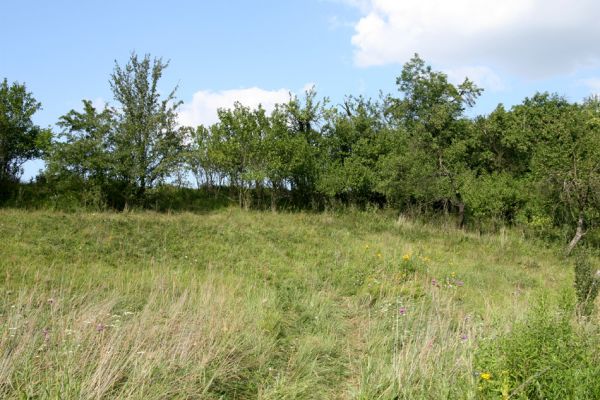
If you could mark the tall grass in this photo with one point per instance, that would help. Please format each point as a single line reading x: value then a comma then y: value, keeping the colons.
x: 245, y: 305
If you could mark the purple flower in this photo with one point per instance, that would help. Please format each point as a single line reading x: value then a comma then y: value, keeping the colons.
x: 464, y: 337
x: 434, y: 282
x: 459, y: 283
x: 402, y: 310
x: 100, y: 327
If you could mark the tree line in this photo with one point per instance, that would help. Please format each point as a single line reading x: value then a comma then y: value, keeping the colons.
x: 417, y: 151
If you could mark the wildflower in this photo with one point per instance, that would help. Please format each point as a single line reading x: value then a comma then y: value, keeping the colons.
x: 434, y: 282
x: 459, y: 283
x: 464, y: 337
x: 406, y: 257
x: 366, y: 247
x: 379, y: 255
x: 402, y: 310
x: 453, y: 274
x: 100, y: 327
x: 486, y: 376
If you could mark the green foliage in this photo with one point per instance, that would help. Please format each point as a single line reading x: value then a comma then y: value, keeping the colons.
x: 495, y: 197
x: 354, y: 139
x: 587, y: 284
x: 543, y: 357
x: 534, y: 165
x: 120, y: 152
x: 20, y: 138
x: 82, y: 160
x: 432, y: 111
x: 147, y: 140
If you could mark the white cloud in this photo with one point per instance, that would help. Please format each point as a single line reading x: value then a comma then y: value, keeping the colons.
x: 532, y: 38
x: 202, y: 109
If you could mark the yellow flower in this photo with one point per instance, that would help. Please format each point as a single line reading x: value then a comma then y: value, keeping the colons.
x: 406, y: 257
x: 453, y: 274
x: 486, y: 376
x: 366, y: 247
x: 379, y: 255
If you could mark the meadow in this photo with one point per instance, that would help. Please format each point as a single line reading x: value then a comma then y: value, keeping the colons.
x: 233, y: 304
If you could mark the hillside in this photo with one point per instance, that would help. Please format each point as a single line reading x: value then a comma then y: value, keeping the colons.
x: 234, y: 304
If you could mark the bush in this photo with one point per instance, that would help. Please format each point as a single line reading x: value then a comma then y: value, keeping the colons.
x: 544, y: 357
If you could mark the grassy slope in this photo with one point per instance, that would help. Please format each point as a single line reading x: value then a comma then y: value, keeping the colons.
x: 238, y: 304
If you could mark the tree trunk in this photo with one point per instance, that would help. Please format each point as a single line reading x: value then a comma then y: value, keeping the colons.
x: 274, y: 192
x: 258, y: 193
x: 461, y: 215
x: 579, y: 233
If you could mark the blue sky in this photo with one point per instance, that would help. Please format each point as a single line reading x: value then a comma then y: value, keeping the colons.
x: 257, y: 51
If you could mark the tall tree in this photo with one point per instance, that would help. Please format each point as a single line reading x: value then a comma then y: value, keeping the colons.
x: 304, y: 116
x: 20, y: 138
x: 148, y: 141
x: 432, y: 111
x: 127, y: 148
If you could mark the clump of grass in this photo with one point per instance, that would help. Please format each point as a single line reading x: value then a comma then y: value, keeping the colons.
x: 419, y: 347
x: 587, y: 284
x: 203, y: 341
x: 546, y: 356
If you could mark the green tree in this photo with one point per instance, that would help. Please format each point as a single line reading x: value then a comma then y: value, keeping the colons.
x: 566, y: 162
x: 20, y: 139
x: 352, y: 144
x: 236, y: 148
x: 82, y: 159
x: 303, y: 118
x: 197, y: 157
x: 432, y: 112
x: 126, y: 149
x: 284, y: 153
x: 148, y: 143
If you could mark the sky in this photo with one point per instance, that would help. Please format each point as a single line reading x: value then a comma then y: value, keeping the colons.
x: 260, y: 51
